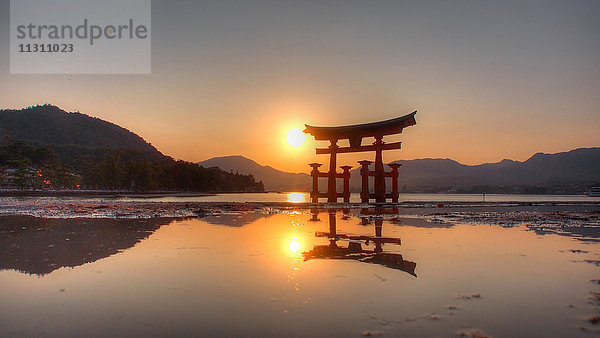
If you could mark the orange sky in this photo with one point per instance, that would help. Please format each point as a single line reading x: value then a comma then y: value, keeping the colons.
x: 490, y: 80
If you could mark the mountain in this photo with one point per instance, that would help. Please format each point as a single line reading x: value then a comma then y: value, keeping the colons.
x: 273, y: 179
x: 71, y: 135
x: 45, y: 147
x: 578, y: 168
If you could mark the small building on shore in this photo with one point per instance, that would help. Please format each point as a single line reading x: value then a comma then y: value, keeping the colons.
x: 28, y: 178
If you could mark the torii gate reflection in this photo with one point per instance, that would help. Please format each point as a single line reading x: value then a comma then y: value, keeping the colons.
x: 354, y: 249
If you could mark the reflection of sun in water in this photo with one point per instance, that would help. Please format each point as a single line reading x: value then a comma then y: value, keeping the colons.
x: 294, y: 245
x: 295, y: 261
x: 296, y: 197
x: 295, y: 137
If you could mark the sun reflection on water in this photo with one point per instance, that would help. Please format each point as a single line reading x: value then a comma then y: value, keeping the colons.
x: 296, y: 197
x: 294, y: 245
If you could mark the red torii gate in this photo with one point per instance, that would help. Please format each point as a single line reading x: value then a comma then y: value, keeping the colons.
x: 354, y: 134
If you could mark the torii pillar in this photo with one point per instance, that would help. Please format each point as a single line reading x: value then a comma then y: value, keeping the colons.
x: 315, y: 177
x: 331, y: 182
x: 364, y: 173
x: 379, y: 171
x: 395, y: 192
x: 346, y: 177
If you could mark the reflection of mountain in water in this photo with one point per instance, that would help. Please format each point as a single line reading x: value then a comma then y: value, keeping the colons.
x: 234, y: 220
x: 40, y: 246
x: 354, y: 250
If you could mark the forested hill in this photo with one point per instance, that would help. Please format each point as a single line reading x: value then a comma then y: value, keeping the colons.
x: 74, y: 150
x: 71, y: 135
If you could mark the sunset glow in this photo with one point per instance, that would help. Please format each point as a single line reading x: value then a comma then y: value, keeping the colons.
x: 295, y: 137
x: 467, y: 93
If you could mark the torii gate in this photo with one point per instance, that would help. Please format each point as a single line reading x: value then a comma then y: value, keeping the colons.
x: 354, y: 134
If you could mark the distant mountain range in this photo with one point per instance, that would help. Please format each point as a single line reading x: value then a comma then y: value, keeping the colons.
x: 575, y: 166
x: 570, y: 171
x: 273, y: 179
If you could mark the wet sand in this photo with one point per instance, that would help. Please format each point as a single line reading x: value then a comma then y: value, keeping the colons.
x: 535, y: 214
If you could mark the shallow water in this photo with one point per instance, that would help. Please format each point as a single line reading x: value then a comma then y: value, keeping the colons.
x: 303, y: 197
x: 355, y: 198
x: 293, y: 274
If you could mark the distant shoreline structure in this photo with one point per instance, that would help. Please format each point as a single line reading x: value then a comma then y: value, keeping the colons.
x: 593, y: 192
x: 114, y: 193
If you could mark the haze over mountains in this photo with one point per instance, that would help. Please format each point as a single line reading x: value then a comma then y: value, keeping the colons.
x: 571, y: 171
x: 273, y: 179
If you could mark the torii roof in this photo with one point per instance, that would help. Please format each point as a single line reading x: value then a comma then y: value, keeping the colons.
x: 381, y: 128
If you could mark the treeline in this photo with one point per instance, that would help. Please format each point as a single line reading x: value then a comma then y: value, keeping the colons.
x: 34, y: 165
x: 19, y: 154
x: 116, y: 169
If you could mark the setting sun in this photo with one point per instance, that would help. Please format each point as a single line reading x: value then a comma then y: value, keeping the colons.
x: 295, y: 137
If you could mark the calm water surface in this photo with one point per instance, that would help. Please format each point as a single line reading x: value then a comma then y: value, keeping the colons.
x: 292, y: 274
x: 355, y: 198
x: 302, y: 197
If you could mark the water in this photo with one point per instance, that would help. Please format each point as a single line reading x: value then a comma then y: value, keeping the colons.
x: 280, y: 274
x: 299, y: 197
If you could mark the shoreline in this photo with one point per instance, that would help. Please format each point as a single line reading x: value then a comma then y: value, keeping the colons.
x: 150, y: 194
x: 104, y: 193
x: 544, y: 214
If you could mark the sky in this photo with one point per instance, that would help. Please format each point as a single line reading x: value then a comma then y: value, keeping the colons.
x: 490, y: 79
